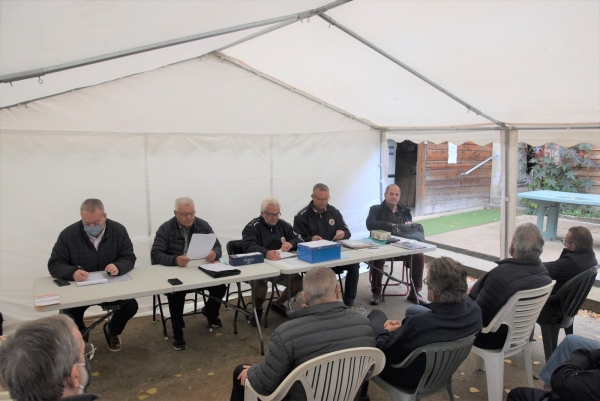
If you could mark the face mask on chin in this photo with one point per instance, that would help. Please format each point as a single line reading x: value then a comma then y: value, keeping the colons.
x: 84, y: 379
x: 93, y: 231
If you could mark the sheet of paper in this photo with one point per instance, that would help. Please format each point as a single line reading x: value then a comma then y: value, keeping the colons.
x: 201, y: 245
x: 353, y: 244
x: 371, y: 250
x: 218, y: 267
x: 47, y: 299
x: 317, y: 244
x: 406, y: 245
x: 285, y: 255
x: 452, y: 153
x: 118, y: 279
x: 94, y: 278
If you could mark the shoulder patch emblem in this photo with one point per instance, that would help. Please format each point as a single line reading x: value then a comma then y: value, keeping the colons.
x: 331, y: 222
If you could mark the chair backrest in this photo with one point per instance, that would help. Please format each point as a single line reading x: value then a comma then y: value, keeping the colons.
x: 574, y: 292
x: 442, y: 361
x: 235, y: 247
x: 520, y: 314
x: 336, y: 376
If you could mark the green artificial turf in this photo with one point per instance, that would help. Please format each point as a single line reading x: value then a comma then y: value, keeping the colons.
x: 458, y: 221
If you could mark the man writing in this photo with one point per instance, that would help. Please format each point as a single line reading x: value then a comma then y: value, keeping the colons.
x: 169, y: 249
x: 319, y: 220
x: 95, y: 243
x: 384, y: 217
x: 332, y: 328
x: 44, y: 360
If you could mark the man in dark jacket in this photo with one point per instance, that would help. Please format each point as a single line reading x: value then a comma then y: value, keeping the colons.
x: 319, y: 220
x: 95, y: 243
x: 44, y: 360
x: 524, y: 271
x: 384, y: 217
x: 577, y: 257
x: 268, y: 234
x: 322, y: 326
x: 575, y: 373
x: 169, y: 249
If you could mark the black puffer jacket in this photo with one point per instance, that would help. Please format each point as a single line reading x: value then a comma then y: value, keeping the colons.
x: 258, y: 236
x: 570, y: 264
x: 73, y: 248
x: 313, y: 331
x: 381, y: 217
x: 169, y: 242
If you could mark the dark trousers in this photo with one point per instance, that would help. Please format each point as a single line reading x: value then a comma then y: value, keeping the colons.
x: 237, y: 393
x: 527, y: 394
x: 418, y: 263
x: 351, y: 285
x: 492, y: 340
x: 118, y: 321
x: 211, y: 309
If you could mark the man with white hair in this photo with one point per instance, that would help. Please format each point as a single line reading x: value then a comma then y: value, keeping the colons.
x: 95, y: 243
x: 524, y: 271
x: 169, y: 249
x: 268, y: 234
x: 44, y: 360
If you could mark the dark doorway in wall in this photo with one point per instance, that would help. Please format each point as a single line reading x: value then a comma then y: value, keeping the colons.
x: 406, y: 172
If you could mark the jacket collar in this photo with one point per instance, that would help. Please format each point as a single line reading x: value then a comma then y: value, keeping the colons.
x: 311, y: 207
x: 524, y: 262
x: 401, y: 207
x: 317, y: 309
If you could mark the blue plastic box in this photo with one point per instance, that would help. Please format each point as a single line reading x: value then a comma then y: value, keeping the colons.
x: 319, y: 251
x: 246, y: 259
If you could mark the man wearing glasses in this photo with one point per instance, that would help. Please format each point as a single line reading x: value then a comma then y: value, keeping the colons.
x: 169, y: 249
x: 95, y: 243
x: 319, y: 220
x: 45, y: 360
x: 268, y: 234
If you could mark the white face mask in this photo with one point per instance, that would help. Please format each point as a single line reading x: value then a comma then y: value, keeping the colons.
x: 84, y: 377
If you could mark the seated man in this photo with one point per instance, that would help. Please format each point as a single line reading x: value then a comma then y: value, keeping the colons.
x: 322, y: 326
x: 524, y: 271
x: 384, y: 217
x: 577, y: 257
x: 571, y: 373
x: 319, y: 220
x: 450, y: 316
x: 169, y: 249
x: 95, y: 243
x: 268, y: 234
x: 44, y: 360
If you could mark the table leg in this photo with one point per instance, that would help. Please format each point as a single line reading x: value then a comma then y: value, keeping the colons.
x: 412, y: 284
x: 260, y: 336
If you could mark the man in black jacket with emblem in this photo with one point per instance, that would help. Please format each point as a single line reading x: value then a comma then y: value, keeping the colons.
x: 95, y: 243
x: 169, y: 249
x: 319, y: 220
x: 268, y: 234
x: 524, y: 271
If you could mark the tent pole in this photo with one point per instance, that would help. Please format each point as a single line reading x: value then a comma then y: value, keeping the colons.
x: 142, y: 49
x: 510, y: 167
x: 257, y: 34
x: 459, y: 128
x: 409, y: 69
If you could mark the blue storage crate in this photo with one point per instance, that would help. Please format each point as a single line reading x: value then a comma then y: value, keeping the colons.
x: 319, y: 251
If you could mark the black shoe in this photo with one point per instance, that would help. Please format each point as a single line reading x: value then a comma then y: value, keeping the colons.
x: 214, y: 323
x: 375, y: 299
x: 253, y: 322
x: 279, y: 309
x: 178, y: 341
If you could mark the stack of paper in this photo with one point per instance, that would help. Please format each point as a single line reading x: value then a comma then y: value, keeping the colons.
x: 94, y: 278
x: 45, y: 300
x: 353, y: 244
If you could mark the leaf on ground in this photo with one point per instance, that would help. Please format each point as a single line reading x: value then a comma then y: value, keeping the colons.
x: 199, y: 369
x: 535, y: 362
x: 507, y: 361
x: 506, y: 390
x: 96, y: 374
x: 178, y: 375
x: 540, y: 337
x: 536, y: 377
x: 189, y: 387
x: 153, y: 390
x: 142, y: 397
x: 473, y: 390
x: 211, y: 373
x: 462, y: 373
x: 457, y: 397
x: 218, y: 334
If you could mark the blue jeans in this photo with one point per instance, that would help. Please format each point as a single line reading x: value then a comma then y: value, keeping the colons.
x: 563, y: 353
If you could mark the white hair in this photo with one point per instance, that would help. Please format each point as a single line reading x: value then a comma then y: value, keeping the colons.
x: 267, y: 202
x: 185, y: 201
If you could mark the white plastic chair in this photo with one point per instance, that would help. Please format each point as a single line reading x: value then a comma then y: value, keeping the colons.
x: 519, y: 314
x: 442, y: 361
x: 336, y: 376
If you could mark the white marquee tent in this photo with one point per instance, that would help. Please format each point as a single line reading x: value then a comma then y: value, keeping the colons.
x: 122, y: 115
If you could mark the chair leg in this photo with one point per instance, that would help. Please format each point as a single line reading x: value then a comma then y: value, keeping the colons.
x: 568, y: 330
x: 527, y: 360
x: 550, y: 339
x: 495, y: 377
x: 450, y: 391
x: 226, y: 297
x: 154, y: 309
x: 341, y: 286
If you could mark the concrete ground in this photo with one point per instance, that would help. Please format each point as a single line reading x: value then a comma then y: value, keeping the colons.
x: 149, y: 368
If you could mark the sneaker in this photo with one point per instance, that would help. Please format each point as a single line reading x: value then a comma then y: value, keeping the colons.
x: 375, y: 299
x: 178, y: 341
x: 351, y: 307
x: 113, y: 342
x: 253, y: 322
x: 279, y: 309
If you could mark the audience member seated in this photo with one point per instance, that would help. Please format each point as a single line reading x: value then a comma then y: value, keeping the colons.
x: 450, y: 315
x: 524, y: 271
x: 571, y: 373
x: 577, y: 257
x: 321, y: 326
x: 44, y: 360
x: 268, y: 234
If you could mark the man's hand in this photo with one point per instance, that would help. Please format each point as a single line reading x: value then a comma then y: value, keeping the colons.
x: 112, y: 269
x: 182, y: 260
x: 80, y: 275
x: 339, y: 234
x: 273, y: 255
x: 392, y: 325
x: 316, y: 238
x: 244, y: 375
x: 408, y: 222
x: 286, y: 246
x: 211, y: 257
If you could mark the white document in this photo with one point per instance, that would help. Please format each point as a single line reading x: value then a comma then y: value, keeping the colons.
x: 218, y: 267
x: 452, y: 153
x: 94, y: 278
x: 317, y: 244
x: 371, y: 250
x: 354, y: 244
x: 201, y: 245
x: 118, y: 279
x: 285, y: 255
x: 45, y: 300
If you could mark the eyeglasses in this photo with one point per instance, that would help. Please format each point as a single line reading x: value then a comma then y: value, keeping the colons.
x: 272, y: 215
x: 186, y: 215
x: 565, y: 242
x: 426, y: 281
x: 321, y: 199
x: 89, y: 350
